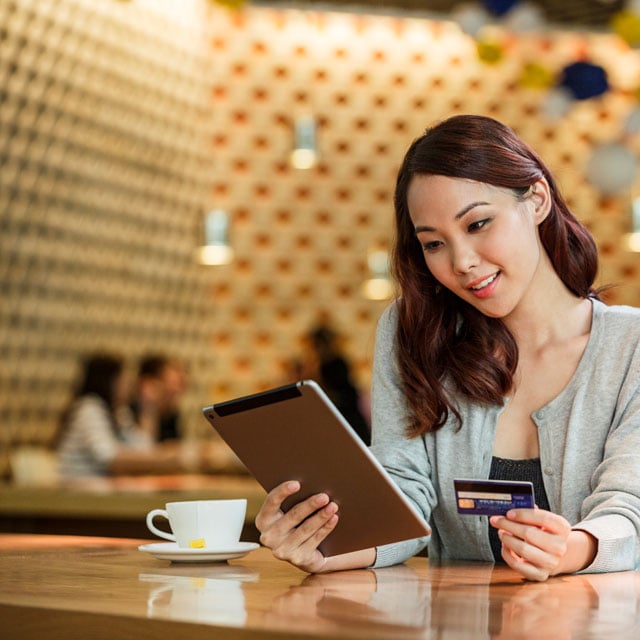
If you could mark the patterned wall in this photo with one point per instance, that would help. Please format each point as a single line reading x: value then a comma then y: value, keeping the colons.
x: 105, y: 171
x: 121, y: 123
x: 373, y: 83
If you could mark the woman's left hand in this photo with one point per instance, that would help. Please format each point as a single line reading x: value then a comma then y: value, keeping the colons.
x: 535, y: 542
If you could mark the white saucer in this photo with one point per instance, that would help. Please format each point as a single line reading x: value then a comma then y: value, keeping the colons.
x: 171, y: 551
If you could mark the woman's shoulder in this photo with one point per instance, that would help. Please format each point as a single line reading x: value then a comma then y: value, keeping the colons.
x: 88, y: 416
x: 389, y: 317
x: 616, y: 337
x: 388, y: 324
x: 88, y: 406
x: 618, y: 318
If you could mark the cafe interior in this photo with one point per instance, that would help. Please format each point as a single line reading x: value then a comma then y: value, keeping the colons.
x: 212, y: 179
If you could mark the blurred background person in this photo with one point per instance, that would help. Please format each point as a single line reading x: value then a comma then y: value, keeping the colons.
x: 161, y: 384
x: 328, y: 365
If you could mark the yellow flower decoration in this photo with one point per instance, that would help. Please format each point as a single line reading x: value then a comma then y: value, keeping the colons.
x: 536, y: 76
x: 489, y: 52
x: 627, y: 25
x: 230, y: 4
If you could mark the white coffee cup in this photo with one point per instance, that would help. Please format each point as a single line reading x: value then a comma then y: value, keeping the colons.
x: 202, y: 524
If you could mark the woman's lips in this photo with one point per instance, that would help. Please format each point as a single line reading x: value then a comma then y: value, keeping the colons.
x: 485, y: 286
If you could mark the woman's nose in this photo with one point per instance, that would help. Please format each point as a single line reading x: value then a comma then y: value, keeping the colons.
x: 463, y: 258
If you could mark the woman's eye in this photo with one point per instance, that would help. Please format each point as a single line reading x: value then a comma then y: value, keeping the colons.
x: 476, y: 226
x: 431, y: 246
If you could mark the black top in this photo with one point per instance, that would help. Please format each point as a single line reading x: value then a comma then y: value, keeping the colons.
x: 335, y: 379
x: 169, y: 427
x: 528, y: 470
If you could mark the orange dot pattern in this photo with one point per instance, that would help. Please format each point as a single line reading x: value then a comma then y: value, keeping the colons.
x: 373, y: 83
x: 121, y: 123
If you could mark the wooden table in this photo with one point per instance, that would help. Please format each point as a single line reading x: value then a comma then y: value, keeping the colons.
x: 73, y: 587
x: 115, y: 506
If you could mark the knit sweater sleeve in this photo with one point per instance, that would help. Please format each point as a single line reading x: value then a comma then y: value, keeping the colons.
x: 611, y: 512
x: 405, y: 459
x: 590, y: 441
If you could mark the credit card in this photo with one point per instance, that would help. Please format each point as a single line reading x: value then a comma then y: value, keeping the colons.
x: 492, y: 497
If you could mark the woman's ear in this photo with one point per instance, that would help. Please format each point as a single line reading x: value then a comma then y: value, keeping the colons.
x: 540, y: 197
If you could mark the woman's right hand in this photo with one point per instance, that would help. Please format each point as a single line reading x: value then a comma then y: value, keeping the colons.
x: 294, y: 536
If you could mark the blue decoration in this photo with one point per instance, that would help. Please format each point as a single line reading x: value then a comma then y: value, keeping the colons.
x: 584, y: 80
x: 499, y: 7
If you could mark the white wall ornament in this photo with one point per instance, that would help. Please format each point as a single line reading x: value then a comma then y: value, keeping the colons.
x: 612, y: 168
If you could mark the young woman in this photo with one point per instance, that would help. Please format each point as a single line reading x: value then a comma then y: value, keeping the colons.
x: 499, y: 361
x: 94, y: 428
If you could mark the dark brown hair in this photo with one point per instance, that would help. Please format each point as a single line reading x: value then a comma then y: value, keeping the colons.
x: 100, y: 372
x: 444, y: 344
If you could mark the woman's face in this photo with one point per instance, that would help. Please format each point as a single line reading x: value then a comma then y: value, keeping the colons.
x: 479, y: 241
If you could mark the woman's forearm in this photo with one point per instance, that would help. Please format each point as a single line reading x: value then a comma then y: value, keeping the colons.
x: 354, y: 560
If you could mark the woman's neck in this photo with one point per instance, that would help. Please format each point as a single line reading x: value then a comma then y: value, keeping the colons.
x: 549, y: 313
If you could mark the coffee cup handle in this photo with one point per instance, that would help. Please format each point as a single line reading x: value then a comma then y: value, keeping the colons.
x: 161, y: 513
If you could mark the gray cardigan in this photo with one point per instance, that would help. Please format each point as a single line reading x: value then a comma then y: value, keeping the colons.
x: 589, y: 439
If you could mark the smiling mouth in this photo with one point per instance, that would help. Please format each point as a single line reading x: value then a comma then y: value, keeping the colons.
x: 482, y: 284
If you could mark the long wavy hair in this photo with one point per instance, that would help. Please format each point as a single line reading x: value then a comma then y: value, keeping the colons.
x: 444, y: 344
x: 100, y: 372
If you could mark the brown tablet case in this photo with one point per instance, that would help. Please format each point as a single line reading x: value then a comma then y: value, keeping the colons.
x: 296, y: 433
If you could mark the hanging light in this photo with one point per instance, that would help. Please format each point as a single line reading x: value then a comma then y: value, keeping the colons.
x: 378, y: 286
x: 216, y: 249
x: 304, y: 154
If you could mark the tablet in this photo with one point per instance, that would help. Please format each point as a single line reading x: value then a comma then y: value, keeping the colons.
x: 296, y: 433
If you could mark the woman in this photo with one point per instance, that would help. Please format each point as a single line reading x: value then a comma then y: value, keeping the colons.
x: 497, y: 361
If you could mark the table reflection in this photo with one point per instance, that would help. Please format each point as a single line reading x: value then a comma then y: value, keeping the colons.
x: 388, y: 600
x: 591, y: 606
x: 562, y: 608
x: 215, y: 595
x: 459, y: 601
